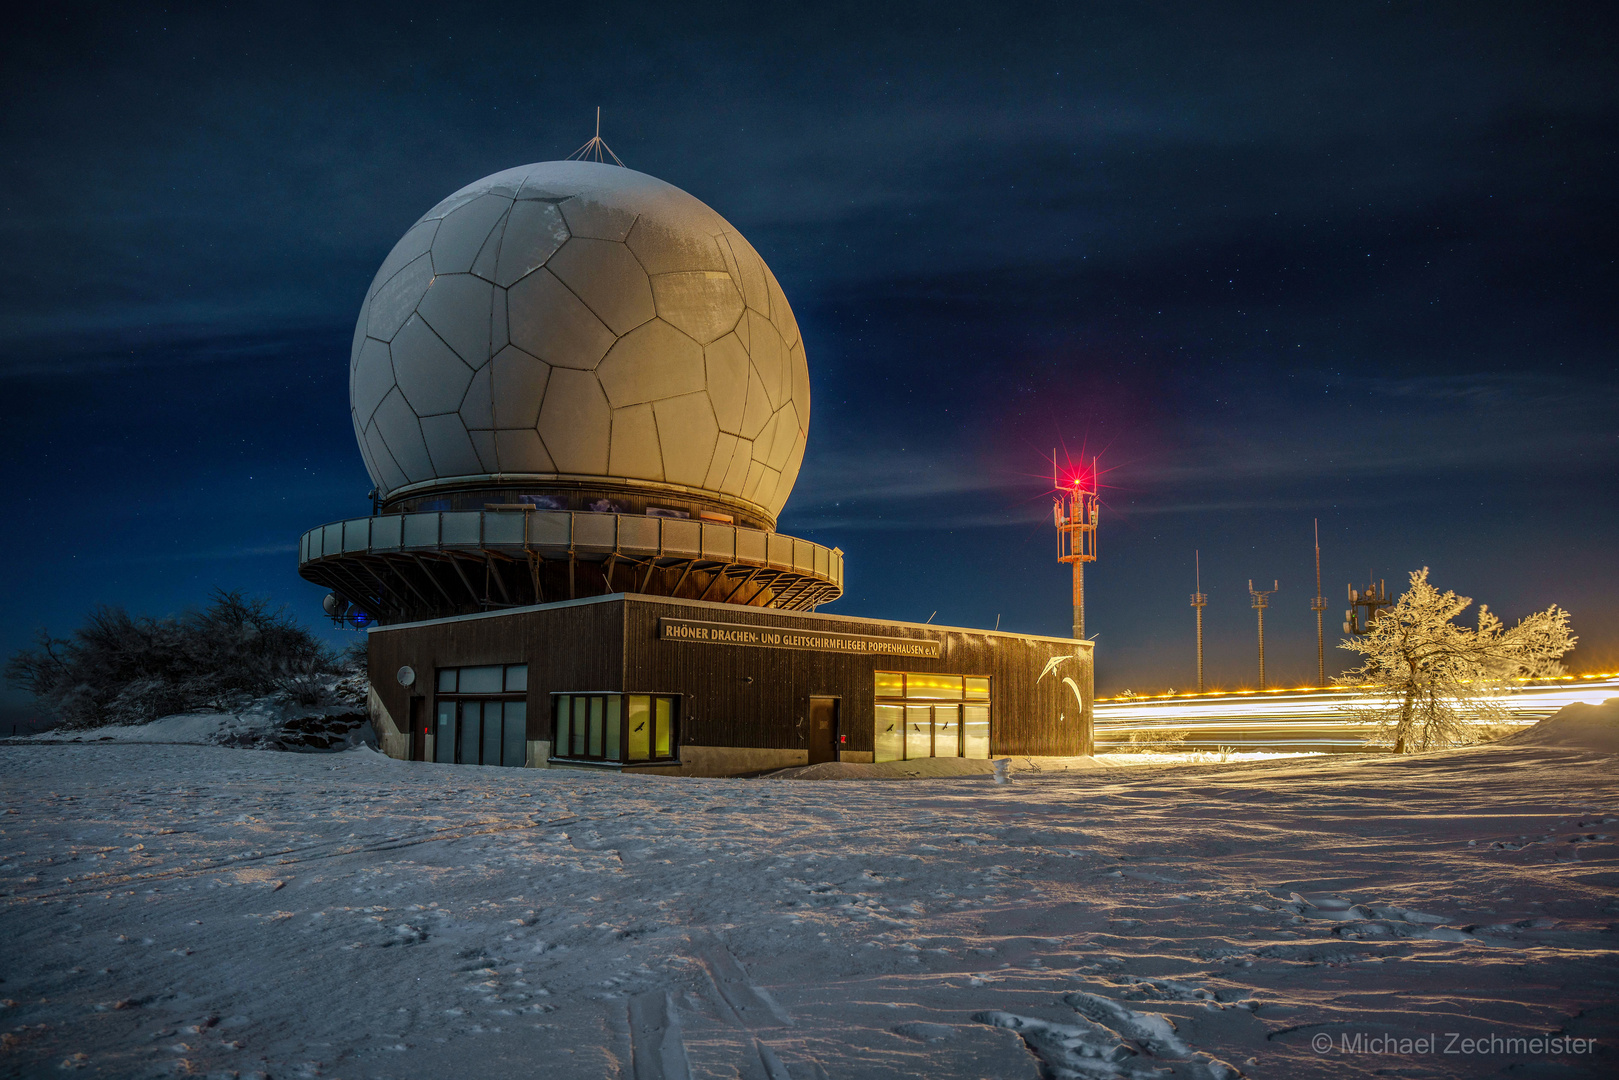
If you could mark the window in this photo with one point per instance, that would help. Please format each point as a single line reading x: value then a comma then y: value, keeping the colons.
x: 482, y: 716
x: 925, y: 714
x: 622, y: 728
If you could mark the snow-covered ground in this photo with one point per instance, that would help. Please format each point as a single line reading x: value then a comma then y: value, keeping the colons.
x: 170, y: 909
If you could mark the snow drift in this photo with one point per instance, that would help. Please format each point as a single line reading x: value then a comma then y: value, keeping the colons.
x: 267, y: 723
x: 1577, y: 726
x: 924, y: 768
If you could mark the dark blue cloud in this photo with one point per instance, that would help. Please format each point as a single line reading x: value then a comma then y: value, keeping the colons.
x: 1272, y: 264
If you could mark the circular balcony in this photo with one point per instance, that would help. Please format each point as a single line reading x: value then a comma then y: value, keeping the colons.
x: 403, y: 567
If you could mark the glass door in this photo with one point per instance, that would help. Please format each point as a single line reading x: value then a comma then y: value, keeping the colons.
x: 947, y: 731
x: 918, y: 731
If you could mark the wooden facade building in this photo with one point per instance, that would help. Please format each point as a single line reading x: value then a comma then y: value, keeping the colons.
x: 649, y: 683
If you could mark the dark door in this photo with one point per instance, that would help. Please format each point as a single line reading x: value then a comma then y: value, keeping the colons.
x: 418, y: 730
x: 823, y: 734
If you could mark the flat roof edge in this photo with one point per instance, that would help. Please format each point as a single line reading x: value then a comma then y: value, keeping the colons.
x: 711, y: 605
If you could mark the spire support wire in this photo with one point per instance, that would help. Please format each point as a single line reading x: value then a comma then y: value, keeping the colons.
x: 595, y: 148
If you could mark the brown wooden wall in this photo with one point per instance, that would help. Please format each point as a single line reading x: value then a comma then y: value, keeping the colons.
x: 566, y: 646
x: 773, y: 710
x: 612, y: 644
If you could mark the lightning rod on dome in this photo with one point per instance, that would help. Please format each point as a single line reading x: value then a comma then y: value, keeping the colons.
x: 595, y: 147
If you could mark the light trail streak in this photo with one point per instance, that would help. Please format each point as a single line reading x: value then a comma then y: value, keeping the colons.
x: 1304, y: 720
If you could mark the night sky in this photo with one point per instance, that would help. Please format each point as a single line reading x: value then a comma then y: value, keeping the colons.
x: 1268, y: 263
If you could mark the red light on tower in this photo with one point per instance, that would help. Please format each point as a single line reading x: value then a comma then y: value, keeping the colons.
x: 1075, y: 512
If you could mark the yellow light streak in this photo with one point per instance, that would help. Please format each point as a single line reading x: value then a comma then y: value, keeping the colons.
x: 1311, y: 717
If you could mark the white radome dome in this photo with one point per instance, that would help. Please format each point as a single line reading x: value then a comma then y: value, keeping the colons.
x: 577, y: 320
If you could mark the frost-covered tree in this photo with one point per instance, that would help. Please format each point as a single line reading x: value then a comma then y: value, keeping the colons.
x: 1427, y: 682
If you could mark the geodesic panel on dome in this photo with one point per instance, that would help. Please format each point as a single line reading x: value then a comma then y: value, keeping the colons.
x: 575, y: 422
x: 478, y: 408
x: 756, y: 411
x: 634, y: 449
x: 663, y: 250
x: 736, y: 476
x: 787, y: 430
x: 749, y: 271
x: 372, y: 377
x: 518, y: 388
x: 724, y: 447
x: 464, y: 231
x: 583, y: 319
x: 764, y: 346
x: 534, y: 232
x: 597, y: 220
x: 484, y: 443
x: 651, y: 362
x: 433, y: 378
x: 388, y: 474
x: 396, y: 299
x: 688, y: 433
x: 726, y: 364
x: 402, y: 435
x: 522, y: 451
x: 608, y: 279
x: 545, y: 319
x: 703, y: 304
x: 413, y: 245
x: 449, y: 446
x: 456, y: 306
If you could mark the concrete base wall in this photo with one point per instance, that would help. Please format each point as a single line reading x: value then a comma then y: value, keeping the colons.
x: 736, y: 760
x: 859, y: 757
x: 390, y: 739
x: 713, y: 761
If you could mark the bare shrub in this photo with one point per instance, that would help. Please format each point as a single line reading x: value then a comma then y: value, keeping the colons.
x: 124, y: 669
x: 1157, y: 741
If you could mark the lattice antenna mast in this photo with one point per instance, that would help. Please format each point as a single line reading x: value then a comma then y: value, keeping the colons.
x: 1261, y: 601
x: 1199, y: 601
x: 1075, y: 512
x: 595, y: 148
x: 1372, y: 598
x: 1318, y: 604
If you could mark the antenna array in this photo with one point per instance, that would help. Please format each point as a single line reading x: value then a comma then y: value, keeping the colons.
x: 1200, y: 600
x: 1261, y: 600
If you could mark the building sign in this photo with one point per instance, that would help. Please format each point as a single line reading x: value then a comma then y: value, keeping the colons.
x: 721, y: 633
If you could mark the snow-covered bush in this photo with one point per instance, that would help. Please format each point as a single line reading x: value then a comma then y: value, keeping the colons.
x: 124, y: 669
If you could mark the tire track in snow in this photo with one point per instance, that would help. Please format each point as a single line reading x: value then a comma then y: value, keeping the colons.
x: 657, y: 1051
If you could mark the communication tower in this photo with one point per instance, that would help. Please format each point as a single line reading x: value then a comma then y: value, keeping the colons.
x: 1261, y: 601
x: 1373, y: 597
x: 1075, y: 511
x: 1199, y: 601
x: 1318, y: 604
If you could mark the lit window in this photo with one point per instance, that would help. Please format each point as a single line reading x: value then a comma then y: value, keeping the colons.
x: 925, y: 714
x: 890, y: 684
x: 621, y: 728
